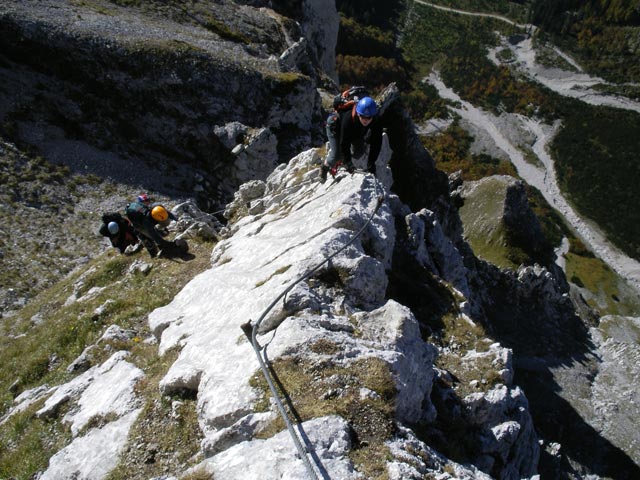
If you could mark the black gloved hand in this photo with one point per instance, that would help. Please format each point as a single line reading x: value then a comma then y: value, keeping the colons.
x: 349, y: 167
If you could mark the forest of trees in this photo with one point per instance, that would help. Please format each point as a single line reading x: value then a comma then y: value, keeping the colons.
x: 366, y: 52
x: 603, y: 34
x: 384, y: 14
x: 557, y: 15
x: 599, y: 168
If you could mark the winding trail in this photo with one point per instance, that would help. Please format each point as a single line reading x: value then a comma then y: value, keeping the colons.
x: 571, y: 84
x: 544, y: 179
x: 477, y: 14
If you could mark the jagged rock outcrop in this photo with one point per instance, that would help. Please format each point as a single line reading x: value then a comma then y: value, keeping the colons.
x: 316, y: 30
x: 522, y: 224
x: 499, y: 223
x: 529, y: 309
x: 372, y: 372
x: 254, y: 155
x: 358, y: 354
x: 613, y: 400
x: 319, y: 22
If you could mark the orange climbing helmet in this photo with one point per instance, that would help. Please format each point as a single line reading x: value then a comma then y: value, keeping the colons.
x: 159, y: 213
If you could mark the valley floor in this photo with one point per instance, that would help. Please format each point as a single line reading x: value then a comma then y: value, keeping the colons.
x: 575, y: 84
x: 541, y: 175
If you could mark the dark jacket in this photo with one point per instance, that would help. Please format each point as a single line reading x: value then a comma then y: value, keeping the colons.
x: 351, y: 131
x: 126, y: 234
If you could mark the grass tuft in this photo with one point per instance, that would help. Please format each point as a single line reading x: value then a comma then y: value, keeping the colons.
x: 316, y: 390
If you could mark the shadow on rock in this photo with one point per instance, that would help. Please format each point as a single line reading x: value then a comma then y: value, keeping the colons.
x: 544, y: 332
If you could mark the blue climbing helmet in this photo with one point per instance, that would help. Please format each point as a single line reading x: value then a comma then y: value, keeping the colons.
x: 113, y: 228
x: 367, y: 107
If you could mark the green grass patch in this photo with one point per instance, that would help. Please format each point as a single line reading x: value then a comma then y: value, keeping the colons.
x: 457, y: 337
x: 484, y: 228
x: 108, y: 273
x: 603, y: 289
x: 44, y: 337
x: 220, y: 28
x: 148, y: 454
x: 27, y: 442
x: 282, y: 84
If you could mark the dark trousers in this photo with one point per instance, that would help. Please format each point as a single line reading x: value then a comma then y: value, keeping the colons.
x: 151, y: 238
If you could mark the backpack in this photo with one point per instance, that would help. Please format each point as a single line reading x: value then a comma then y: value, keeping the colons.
x: 125, y: 237
x: 137, y: 210
x: 112, y: 217
x: 344, y: 102
x: 347, y: 99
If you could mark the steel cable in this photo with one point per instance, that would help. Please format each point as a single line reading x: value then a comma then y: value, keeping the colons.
x: 251, y: 331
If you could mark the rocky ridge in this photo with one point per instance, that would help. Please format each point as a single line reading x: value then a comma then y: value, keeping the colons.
x: 376, y: 355
x: 336, y: 326
x: 214, y: 97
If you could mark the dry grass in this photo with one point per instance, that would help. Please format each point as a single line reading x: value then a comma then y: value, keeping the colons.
x: 316, y: 390
x: 38, y: 352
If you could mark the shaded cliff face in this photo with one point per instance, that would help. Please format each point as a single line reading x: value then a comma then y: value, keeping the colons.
x: 153, y: 81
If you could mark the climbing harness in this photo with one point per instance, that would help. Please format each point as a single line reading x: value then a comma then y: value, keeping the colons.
x: 251, y: 331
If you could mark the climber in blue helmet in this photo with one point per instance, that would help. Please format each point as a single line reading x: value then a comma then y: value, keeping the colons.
x: 118, y: 230
x: 347, y: 132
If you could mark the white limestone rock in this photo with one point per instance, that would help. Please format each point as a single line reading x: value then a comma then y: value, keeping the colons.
x: 301, y: 224
x: 26, y: 399
x: 614, y: 403
x: 275, y: 458
x: 436, y: 250
x: 415, y: 460
x: 94, y: 455
x: 254, y: 151
x: 243, y: 430
x: 101, y: 390
x: 310, y: 222
x: 507, y: 430
x: 394, y: 328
